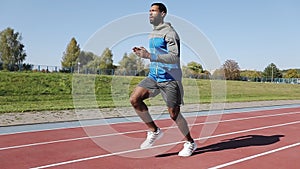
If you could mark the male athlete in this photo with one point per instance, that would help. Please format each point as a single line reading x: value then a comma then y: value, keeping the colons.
x: 164, y: 77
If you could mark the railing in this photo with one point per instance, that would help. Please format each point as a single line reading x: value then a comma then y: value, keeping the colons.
x: 123, y: 72
x: 275, y: 80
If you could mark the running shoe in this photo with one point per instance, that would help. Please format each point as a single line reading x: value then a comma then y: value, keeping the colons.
x: 151, y: 138
x: 188, y: 149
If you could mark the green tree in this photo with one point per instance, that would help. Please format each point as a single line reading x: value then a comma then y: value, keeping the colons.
x: 124, y: 62
x: 271, y: 72
x: 251, y: 74
x: 70, y: 56
x: 101, y: 64
x: 93, y: 65
x: 12, y: 53
x: 106, y: 61
x: 292, y: 73
x: 195, y: 67
x: 132, y: 64
x: 231, y: 70
x: 194, y: 70
x: 85, y: 57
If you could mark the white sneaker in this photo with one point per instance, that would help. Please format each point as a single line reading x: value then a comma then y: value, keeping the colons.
x: 188, y: 149
x: 151, y: 138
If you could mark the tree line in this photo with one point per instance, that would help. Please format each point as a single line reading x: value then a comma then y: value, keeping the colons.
x: 13, y: 55
x: 232, y: 71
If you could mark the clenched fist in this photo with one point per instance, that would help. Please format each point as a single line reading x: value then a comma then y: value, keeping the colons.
x: 141, y: 52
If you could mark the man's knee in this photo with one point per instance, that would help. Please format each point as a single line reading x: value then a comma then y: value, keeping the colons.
x: 174, y: 112
x: 173, y: 116
x: 134, y: 100
x: 138, y: 95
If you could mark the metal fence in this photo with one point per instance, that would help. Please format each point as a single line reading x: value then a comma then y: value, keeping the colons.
x: 274, y: 80
x: 46, y: 68
x: 123, y: 72
x: 120, y: 72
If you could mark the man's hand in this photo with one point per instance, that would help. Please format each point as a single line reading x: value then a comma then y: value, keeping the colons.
x: 141, y: 52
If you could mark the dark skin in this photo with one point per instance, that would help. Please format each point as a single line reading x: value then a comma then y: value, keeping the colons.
x: 140, y: 94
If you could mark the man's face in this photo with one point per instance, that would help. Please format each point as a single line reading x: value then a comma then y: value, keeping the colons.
x: 155, y: 16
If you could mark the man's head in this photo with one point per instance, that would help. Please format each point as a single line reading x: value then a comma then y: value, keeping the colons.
x: 157, y: 13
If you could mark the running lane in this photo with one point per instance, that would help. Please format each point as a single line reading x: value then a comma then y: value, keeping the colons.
x: 238, y: 136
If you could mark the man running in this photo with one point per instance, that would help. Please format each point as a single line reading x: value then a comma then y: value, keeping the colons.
x: 164, y: 77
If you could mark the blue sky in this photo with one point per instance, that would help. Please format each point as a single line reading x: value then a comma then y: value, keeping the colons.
x: 254, y: 33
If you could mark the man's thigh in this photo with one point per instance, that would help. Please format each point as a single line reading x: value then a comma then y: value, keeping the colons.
x: 150, y: 85
x: 140, y: 93
x: 171, y: 93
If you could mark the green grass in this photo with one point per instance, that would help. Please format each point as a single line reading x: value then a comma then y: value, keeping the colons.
x: 21, y: 92
x: 254, y: 91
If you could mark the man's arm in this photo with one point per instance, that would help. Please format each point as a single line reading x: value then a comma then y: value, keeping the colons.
x: 173, y: 47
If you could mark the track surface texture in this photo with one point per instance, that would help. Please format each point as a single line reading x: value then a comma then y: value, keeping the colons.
x: 254, y: 139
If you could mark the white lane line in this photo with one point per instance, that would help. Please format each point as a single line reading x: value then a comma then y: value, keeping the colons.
x: 109, y: 123
x: 255, y: 156
x: 72, y: 139
x: 138, y: 131
x: 162, y: 145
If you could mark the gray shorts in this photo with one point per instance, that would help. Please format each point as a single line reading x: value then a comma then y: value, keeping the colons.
x: 171, y: 91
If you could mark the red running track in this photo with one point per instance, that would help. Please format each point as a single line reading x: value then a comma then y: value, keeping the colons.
x: 258, y: 139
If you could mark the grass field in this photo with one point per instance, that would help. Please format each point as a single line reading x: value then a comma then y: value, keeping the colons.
x: 21, y: 92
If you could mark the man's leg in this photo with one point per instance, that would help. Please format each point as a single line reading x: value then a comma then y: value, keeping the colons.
x: 137, y: 101
x: 181, y: 123
x: 173, y: 94
x: 189, y: 146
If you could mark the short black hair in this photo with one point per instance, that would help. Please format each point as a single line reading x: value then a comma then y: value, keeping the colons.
x: 161, y: 7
